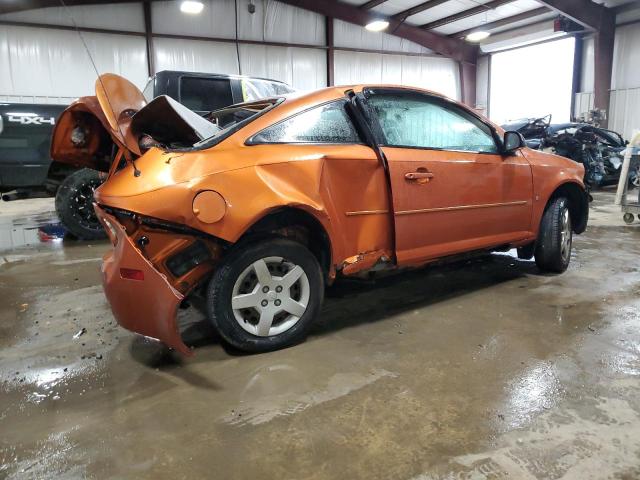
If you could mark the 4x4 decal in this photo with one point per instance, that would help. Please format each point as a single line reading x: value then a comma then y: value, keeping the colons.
x: 31, y: 119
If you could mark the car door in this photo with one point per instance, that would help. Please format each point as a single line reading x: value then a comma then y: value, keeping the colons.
x: 349, y: 181
x: 453, y: 191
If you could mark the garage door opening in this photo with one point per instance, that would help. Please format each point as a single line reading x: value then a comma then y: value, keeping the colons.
x: 532, y: 81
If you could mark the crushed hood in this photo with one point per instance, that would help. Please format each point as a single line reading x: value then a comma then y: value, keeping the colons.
x: 168, y: 121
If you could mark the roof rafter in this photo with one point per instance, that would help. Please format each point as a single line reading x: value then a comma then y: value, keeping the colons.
x: 441, y: 44
x: 536, y: 12
x: 371, y: 4
x: 419, y: 8
x: 9, y: 7
x: 465, y: 13
x: 585, y: 12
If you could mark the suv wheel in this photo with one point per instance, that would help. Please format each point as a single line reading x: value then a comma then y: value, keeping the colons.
x: 265, y: 296
x: 74, y: 204
x: 553, y: 248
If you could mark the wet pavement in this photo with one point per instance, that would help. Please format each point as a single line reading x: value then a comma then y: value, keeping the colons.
x: 481, y: 370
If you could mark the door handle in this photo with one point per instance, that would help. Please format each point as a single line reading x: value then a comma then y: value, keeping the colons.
x: 424, y: 176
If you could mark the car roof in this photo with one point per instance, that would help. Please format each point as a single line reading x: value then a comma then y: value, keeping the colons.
x: 296, y: 102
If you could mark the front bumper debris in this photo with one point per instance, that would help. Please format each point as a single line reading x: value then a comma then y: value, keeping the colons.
x: 148, y: 305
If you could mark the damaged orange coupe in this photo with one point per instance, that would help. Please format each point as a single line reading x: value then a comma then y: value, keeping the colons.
x: 261, y: 205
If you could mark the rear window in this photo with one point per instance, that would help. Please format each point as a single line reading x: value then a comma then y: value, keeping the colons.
x: 205, y: 94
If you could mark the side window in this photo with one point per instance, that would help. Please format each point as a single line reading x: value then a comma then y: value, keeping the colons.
x: 205, y: 94
x: 324, y: 124
x: 424, y: 122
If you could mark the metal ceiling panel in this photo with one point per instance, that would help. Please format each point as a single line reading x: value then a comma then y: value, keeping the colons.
x: 541, y: 18
x: 391, y: 7
x: 442, y: 11
x: 502, y: 11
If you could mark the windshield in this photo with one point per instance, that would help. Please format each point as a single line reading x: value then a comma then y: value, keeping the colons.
x: 147, y: 93
x: 255, y: 89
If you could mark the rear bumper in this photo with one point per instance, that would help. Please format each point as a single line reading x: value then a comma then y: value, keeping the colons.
x: 148, y: 306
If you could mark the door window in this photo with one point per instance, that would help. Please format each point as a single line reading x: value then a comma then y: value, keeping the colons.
x: 205, y: 94
x: 324, y: 124
x: 427, y: 122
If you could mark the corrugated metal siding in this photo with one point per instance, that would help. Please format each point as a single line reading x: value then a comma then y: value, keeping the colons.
x: 438, y: 74
x: 54, y: 63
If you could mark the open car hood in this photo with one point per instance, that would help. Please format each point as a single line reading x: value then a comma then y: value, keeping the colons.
x: 118, y: 114
x: 120, y: 100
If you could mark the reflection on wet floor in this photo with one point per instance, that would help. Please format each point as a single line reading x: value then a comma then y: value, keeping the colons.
x: 16, y: 231
x: 484, y: 369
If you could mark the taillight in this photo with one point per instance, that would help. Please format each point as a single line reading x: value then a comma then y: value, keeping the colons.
x: 132, y: 274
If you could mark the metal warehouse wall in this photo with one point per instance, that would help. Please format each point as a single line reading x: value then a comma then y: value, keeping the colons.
x: 422, y: 69
x: 50, y: 64
x: 624, y: 106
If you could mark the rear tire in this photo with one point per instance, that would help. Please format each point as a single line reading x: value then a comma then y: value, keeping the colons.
x: 553, y: 248
x: 74, y: 204
x: 265, y: 295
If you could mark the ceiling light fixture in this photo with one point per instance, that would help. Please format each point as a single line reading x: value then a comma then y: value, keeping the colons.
x: 377, y: 25
x: 477, y: 36
x: 192, y: 7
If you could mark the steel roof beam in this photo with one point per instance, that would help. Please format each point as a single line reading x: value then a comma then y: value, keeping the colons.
x: 441, y: 44
x: 536, y: 12
x: 465, y: 14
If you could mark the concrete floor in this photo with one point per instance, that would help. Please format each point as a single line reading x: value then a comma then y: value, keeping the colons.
x: 480, y: 370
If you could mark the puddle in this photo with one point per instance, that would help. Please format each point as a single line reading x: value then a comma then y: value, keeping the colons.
x: 30, y: 230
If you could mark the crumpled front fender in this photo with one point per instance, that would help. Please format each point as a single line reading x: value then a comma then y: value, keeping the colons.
x: 86, y: 114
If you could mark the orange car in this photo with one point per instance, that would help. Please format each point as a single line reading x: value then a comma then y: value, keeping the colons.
x: 263, y: 204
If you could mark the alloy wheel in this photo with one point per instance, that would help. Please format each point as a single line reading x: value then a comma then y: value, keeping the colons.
x: 565, y: 234
x: 270, y: 296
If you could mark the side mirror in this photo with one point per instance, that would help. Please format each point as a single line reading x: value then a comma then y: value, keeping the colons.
x: 513, y: 141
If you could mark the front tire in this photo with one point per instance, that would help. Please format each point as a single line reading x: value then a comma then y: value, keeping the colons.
x: 265, y: 295
x: 74, y: 204
x: 553, y: 248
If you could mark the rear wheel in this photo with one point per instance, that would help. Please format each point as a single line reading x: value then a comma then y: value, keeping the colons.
x: 266, y: 295
x: 74, y: 204
x: 553, y: 248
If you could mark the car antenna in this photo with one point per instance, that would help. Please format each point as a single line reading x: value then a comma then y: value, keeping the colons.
x: 136, y: 172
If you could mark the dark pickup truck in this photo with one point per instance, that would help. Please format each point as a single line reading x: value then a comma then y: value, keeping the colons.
x: 26, y: 167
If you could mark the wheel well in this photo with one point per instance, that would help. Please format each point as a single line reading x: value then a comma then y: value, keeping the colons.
x: 298, y: 225
x: 59, y: 171
x: 578, y: 204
